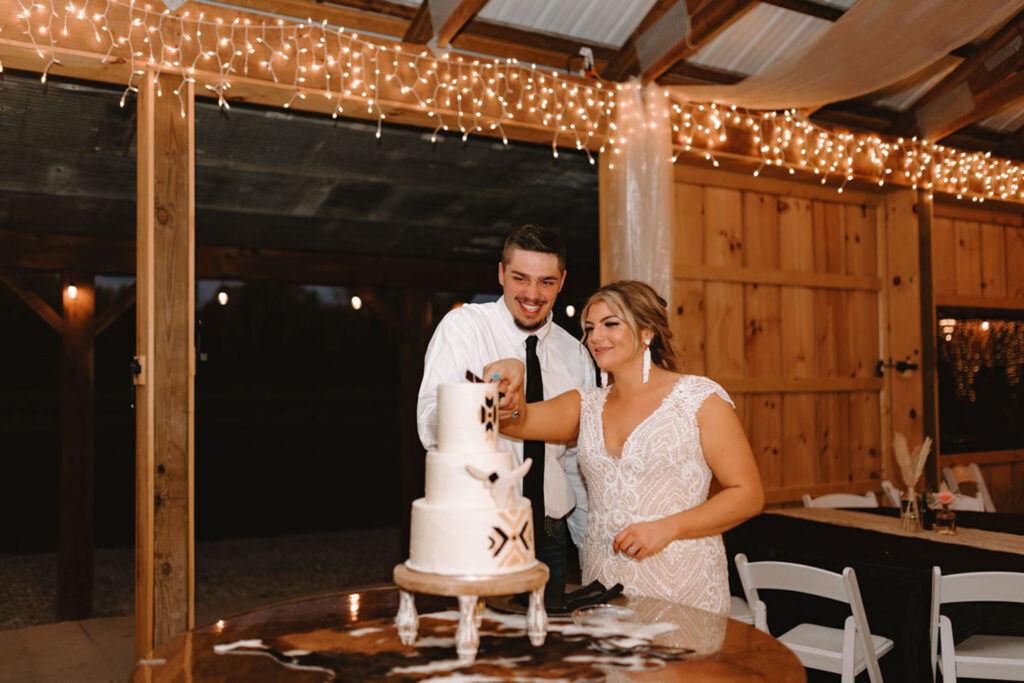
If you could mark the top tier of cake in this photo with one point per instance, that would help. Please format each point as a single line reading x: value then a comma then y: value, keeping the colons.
x: 467, y: 418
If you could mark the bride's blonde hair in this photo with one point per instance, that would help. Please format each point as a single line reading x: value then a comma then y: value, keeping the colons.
x: 640, y: 308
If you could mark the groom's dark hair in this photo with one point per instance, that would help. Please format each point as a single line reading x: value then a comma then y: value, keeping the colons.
x: 537, y: 238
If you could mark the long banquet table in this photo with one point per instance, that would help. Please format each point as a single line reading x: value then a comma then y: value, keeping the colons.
x: 352, y: 637
x: 894, y: 570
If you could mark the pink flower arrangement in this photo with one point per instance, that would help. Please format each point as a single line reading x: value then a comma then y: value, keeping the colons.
x: 944, y: 497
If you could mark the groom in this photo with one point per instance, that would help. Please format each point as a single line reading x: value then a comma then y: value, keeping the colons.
x: 519, y: 325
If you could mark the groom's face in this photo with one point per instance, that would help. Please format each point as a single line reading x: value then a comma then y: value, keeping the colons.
x: 530, y: 281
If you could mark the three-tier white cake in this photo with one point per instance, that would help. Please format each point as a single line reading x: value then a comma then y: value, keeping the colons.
x: 471, y: 521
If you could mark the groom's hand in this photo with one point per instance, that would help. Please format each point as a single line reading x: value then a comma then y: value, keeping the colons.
x: 643, y: 539
x: 509, y: 374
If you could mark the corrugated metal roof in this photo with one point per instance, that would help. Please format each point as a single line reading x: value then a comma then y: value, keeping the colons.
x: 1006, y: 120
x: 750, y: 45
x: 901, y: 96
x: 758, y: 39
x: 604, y: 22
x: 595, y: 22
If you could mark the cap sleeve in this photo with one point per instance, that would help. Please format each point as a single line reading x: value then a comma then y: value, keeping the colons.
x: 697, y: 389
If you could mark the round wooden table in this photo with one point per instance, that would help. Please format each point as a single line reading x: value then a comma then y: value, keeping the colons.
x: 353, y: 637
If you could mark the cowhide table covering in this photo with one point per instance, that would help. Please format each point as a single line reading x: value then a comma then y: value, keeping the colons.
x: 287, y: 643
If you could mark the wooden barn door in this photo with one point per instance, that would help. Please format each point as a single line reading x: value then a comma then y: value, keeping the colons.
x: 778, y: 298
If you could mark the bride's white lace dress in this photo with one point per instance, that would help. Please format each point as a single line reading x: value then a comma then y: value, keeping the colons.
x: 660, y: 471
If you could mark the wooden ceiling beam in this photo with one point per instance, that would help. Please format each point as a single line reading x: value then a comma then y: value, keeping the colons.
x: 986, y: 103
x: 808, y: 7
x: 686, y: 72
x: 625, y: 61
x: 456, y: 19
x: 124, y: 301
x: 421, y: 28
x: 34, y: 301
x: 706, y: 20
x: 710, y: 20
x: 991, y: 62
x: 22, y: 251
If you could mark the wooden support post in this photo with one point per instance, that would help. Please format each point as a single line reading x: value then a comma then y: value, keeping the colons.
x: 165, y: 291
x: 418, y: 319
x: 929, y: 332
x: 77, y: 406
x: 903, y: 292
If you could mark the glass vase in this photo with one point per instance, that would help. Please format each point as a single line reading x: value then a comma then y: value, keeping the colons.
x: 910, y: 513
x: 945, y: 521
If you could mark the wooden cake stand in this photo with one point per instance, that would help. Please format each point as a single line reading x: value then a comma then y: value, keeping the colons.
x: 467, y: 589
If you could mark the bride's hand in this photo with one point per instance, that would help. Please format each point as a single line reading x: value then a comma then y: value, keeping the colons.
x: 509, y: 374
x: 643, y: 539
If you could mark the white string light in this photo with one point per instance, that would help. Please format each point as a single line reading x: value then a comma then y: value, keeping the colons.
x: 313, y: 59
x: 785, y: 140
x: 308, y: 59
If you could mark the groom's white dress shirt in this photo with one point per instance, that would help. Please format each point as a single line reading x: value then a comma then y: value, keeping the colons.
x: 473, y: 335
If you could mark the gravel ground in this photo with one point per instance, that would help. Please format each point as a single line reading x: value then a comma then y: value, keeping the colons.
x: 231, y: 575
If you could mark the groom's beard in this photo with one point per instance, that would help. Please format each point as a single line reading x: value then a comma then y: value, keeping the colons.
x: 531, y: 326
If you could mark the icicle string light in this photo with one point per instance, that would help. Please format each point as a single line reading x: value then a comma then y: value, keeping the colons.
x: 344, y: 73
x: 312, y: 59
x: 785, y: 140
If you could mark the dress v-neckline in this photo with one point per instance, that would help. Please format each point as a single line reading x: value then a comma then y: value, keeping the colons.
x: 600, y: 420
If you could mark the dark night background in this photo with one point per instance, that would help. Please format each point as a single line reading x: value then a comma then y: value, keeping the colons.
x: 295, y: 413
x: 296, y: 404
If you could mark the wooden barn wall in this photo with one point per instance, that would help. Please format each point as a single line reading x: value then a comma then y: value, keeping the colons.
x: 978, y: 254
x: 778, y: 296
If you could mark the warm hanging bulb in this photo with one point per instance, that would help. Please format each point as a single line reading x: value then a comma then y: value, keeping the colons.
x: 222, y: 297
x: 357, y: 303
x: 570, y: 310
x: 72, y: 292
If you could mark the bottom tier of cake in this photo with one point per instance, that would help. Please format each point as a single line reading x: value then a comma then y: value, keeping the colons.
x: 471, y: 540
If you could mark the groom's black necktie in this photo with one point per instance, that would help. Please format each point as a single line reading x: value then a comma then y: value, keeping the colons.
x: 533, y: 483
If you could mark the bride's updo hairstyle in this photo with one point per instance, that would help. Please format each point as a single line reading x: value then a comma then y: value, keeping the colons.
x: 640, y: 307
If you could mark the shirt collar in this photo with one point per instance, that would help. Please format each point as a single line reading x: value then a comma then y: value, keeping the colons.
x: 518, y: 333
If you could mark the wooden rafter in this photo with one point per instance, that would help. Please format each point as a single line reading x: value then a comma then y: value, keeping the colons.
x: 997, y: 58
x: 685, y: 72
x: 625, y: 60
x: 706, y: 21
x: 421, y: 28
x: 124, y: 301
x: 986, y: 103
x: 456, y: 19
x: 808, y: 7
x: 34, y: 301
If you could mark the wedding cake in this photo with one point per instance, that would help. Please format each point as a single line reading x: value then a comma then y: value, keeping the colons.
x: 471, y: 520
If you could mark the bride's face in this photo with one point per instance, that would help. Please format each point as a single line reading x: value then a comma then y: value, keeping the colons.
x: 608, y: 337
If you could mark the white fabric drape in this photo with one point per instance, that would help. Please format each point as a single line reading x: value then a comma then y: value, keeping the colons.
x: 873, y: 45
x: 638, y: 201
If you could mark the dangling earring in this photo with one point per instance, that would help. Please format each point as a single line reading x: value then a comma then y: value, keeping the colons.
x: 647, y: 361
x: 604, y: 378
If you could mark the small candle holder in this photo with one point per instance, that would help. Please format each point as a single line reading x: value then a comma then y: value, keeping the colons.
x: 945, y: 521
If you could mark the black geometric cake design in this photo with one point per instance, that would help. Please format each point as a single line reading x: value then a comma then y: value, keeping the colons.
x: 510, y: 543
x: 489, y: 418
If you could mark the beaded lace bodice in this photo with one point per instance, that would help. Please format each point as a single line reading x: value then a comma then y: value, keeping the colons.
x: 660, y: 471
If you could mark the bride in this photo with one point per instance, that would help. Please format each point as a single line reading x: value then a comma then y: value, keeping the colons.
x: 650, y: 439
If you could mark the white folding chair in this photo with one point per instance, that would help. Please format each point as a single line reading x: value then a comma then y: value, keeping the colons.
x: 846, y: 651
x: 841, y: 500
x: 892, y: 494
x: 980, y: 656
x: 740, y: 610
x: 962, y: 502
x: 968, y: 474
